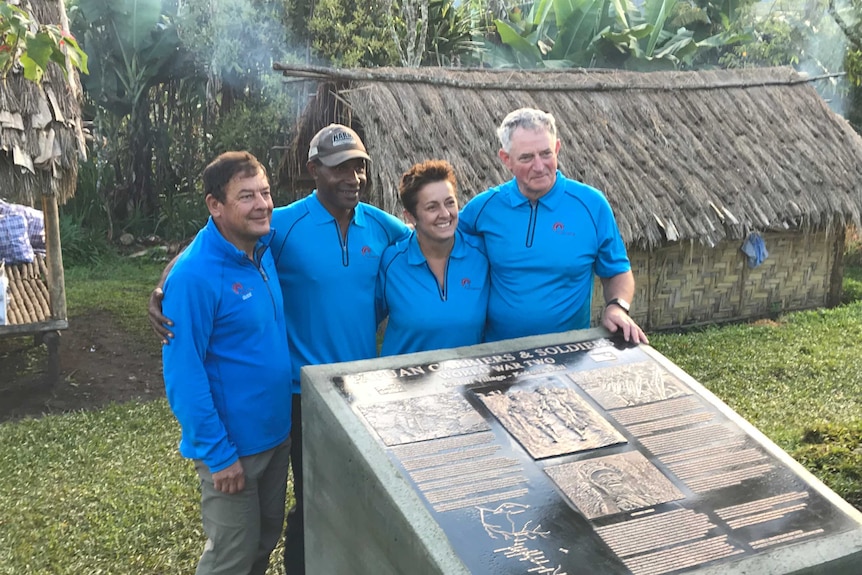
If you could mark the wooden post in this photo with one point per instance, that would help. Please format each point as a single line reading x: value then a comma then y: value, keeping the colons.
x: 56, y: 277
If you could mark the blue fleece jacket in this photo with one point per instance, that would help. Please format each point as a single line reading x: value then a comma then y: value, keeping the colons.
x: 227, y: 371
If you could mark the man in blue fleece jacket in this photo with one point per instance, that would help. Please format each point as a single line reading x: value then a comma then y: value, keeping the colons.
x: 227, y: 373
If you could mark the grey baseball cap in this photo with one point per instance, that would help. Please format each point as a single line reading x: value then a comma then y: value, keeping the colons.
x: 335, y: 144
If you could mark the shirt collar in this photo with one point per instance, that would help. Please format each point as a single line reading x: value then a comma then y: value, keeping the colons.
x: 415, y: 257
x: 229, y: 248
x: 320, y: 215
x: 552, y: 199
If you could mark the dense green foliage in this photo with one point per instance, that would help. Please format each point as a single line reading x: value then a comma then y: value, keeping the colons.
x: 172, y: 85
x: 350, y: 33
x: 649, y: 35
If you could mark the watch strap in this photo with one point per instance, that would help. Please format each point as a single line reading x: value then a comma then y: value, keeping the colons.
x: 619, y: 303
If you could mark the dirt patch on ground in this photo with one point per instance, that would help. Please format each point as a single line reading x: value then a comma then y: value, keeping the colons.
x: 100, y: 363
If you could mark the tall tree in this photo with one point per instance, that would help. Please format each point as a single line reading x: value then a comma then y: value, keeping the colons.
x: 175, y: 81
x: 234, y: 45
x: 133, y: 46
x: 848, y: 18
x: 350, y: 33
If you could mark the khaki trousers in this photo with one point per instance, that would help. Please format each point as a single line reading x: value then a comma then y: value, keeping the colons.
x: 242, y: 529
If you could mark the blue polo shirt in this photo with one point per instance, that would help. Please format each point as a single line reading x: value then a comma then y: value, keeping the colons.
x: 328, y: 283
x: 543, y: 255
x: 422, y: 314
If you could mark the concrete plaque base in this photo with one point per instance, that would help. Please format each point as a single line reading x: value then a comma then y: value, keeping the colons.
x: 554, y: 455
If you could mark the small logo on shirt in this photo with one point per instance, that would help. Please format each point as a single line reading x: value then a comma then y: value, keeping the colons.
x: 368, y: 252
x: 467, y: 283
x: 560, y: 228
x: 241, y: 291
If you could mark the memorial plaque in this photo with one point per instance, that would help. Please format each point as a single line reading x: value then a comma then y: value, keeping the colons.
x: 564, y: 456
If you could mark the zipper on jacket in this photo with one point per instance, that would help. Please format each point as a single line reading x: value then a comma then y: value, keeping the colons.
x: 258, y: 263
x: 531, y: 226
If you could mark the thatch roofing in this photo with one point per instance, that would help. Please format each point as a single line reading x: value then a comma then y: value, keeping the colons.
x: 680, y: 155
x: 41, y: 139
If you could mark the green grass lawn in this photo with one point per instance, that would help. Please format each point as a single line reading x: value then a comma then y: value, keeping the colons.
x: 106, y: 492
x: 98, y: 492
x: 120, y: 286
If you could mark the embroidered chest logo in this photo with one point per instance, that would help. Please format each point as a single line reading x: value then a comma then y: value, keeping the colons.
x: 368, y: 252
x: 242, y: 291
x: 467, y: 284
x: 560, y: 228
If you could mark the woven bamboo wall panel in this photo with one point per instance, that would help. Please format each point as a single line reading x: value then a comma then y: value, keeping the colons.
x: 690, y: 283
x: 795, y: 276
x: 686, y: 284
x: 28, y: 300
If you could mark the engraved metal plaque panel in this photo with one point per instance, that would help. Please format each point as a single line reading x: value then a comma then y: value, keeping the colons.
x: 586, y: 457
x: 607, y: 485
x: 422, y: 418
x: 548, y: 420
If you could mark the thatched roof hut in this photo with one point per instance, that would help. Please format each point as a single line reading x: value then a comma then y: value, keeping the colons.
x: 41, y: 139
x: 687, y: 159
x: 41, y: 142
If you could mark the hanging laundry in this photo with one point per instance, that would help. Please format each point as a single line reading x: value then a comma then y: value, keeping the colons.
x: 755, y: 248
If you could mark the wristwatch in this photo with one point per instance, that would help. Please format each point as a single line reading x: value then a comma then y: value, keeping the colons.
x: 620, y: 302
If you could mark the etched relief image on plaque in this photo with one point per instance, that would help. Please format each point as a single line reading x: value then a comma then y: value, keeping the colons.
x: 631, y: 384
x: 423, y: 418
x: 548, y: 420
x: 606, y: 485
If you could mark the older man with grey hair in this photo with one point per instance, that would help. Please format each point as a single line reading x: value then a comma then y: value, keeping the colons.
x: 545, y: 236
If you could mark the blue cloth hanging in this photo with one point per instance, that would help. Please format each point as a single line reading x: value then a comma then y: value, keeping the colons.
x: 755, y: 248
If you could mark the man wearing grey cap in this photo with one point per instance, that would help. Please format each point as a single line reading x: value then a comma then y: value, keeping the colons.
x: 327, y: 249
